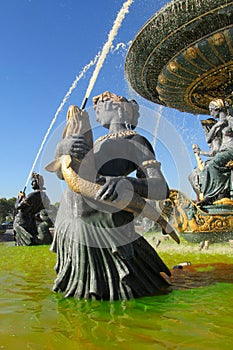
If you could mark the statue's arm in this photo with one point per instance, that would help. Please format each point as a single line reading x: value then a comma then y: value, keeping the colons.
x: 210, y: 153
x: 215, y: 129
x: 23, y: 204
x: 214, y: 147
x: 152, y: 183
x: 26, y: 201
x: 230, y: 121
x: 149, y: 183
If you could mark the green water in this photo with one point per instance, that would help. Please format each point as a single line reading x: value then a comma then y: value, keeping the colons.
x: 198, y: 314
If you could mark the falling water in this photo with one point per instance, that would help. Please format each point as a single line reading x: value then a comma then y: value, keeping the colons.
x: 73, y: 86
x: 120, y: 45
x: 157, y: 125
x: 100, y: 57
x: 113, y: 32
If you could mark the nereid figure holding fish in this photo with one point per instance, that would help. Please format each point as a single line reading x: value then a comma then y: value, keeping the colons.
x: 99, y: 254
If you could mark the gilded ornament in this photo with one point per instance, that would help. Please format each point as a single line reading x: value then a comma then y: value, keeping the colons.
x: 196, y: 42
x: 218, y: 39
x: 218, y: 223
x: 147, y: 163
x: 173, y: 66
x: 116, y: 135
x: 191, y: 53
x: 162, y: 79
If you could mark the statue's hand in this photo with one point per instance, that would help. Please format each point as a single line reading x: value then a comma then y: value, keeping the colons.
x: 21, y: 195
x: 79, y: 147
x: 108, y: 190
x: 113, y: 188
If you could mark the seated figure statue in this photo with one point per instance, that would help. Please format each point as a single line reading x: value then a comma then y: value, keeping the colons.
x: 27, y: 213
x: 215, y: 176
x: 99, y: 254
x: 214, y: 145
x: 44, y: 235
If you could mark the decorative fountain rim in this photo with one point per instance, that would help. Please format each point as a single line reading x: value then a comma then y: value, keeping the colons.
x: 165, y: 36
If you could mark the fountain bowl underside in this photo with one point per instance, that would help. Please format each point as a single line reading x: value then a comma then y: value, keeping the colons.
x: 183, y: 56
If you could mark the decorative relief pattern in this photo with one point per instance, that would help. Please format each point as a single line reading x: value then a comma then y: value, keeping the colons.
x: 209, y: 65
x: 188, y: 218
x: 183, y: 56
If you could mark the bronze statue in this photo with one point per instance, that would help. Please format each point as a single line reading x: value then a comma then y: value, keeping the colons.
x: 44, y: 235
x: 215, y: 176
x: 27, y: 213
x: 99, y: 254
x: 214, y: 144
x: 213, y: 139
x: 209, y: 218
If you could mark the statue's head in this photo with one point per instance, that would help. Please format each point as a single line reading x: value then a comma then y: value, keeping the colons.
x: 44, y: 215
x: 216, y: 106
x: 127, y: 110
x: 37, y: 181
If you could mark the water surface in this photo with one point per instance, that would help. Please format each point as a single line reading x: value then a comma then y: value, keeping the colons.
x: 197, y: 314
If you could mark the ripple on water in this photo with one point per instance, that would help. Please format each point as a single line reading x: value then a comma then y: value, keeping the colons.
x: 197, y: 314
x: 201, y: 275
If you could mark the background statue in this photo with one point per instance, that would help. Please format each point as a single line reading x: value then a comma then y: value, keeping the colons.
x: 213, y: 138
x: 214, y: 177
x: 214, y: 145
x: 27, y: 213
x: 44, y: 236
x: 99, y: 254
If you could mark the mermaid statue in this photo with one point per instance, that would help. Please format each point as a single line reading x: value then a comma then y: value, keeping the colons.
x: 99, y: 254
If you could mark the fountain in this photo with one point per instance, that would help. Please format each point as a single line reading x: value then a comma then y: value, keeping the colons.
x: 33, y: 318
x: 182, y: 58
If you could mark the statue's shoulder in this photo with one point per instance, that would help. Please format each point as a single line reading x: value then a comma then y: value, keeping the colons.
x: 143, y: 141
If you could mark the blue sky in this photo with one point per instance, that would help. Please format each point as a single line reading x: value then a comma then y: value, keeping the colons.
x: 45, y: 44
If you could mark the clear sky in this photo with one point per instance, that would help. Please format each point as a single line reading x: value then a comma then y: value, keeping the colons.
x: 45, y: 45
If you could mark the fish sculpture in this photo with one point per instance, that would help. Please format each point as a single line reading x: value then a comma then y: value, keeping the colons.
x: 78, y: 123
